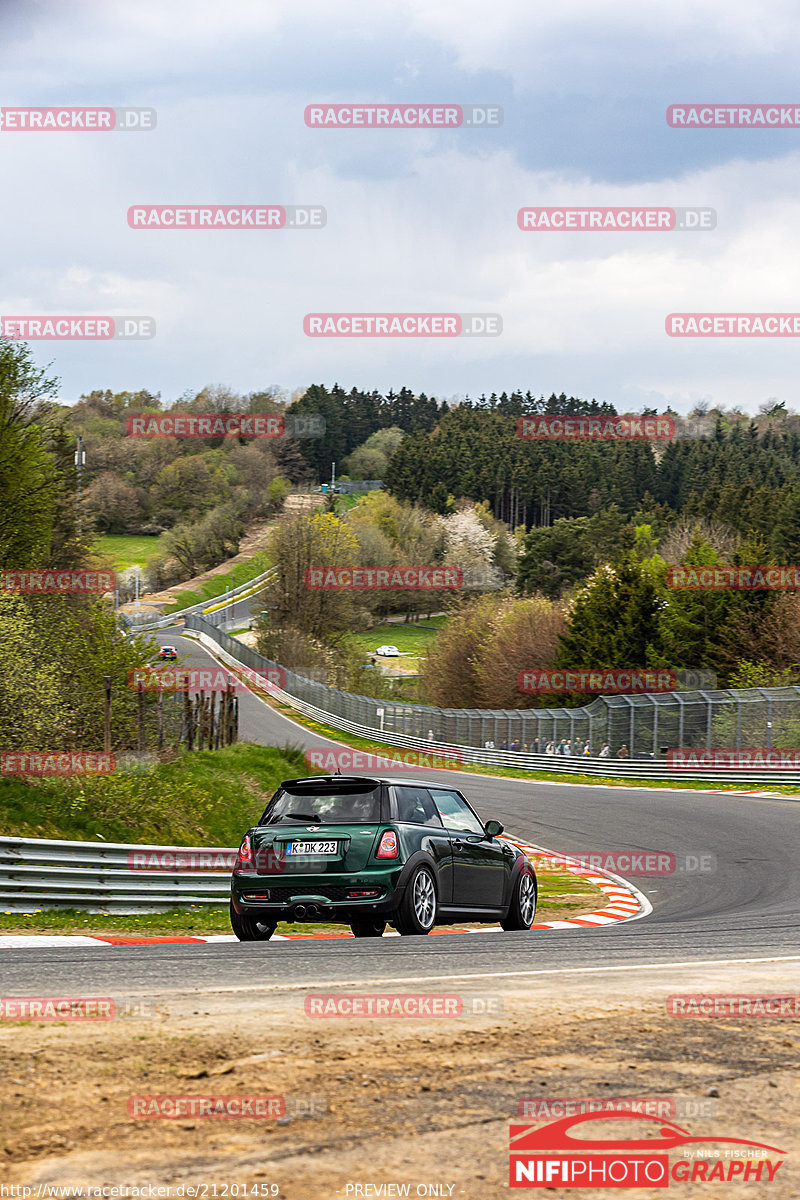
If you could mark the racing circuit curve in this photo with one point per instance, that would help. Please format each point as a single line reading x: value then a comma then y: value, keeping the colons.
x: 746, y: 909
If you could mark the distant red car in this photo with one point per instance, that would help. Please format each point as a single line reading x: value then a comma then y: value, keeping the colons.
x: 168, y: 652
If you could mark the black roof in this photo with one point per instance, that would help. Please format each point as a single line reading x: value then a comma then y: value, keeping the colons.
x: 345, y: 780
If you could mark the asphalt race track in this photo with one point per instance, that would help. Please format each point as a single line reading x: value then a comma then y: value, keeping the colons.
x: 747, y: 908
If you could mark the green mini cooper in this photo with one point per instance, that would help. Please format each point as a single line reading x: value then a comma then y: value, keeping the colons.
x: 365, y: 852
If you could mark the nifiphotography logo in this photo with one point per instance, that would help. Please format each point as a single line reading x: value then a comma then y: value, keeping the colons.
x: 552, y: 1156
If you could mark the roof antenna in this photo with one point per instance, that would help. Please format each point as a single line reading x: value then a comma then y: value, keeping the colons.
x: 338, y: 770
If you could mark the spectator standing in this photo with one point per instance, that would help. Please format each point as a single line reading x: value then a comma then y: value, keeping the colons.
x: 605, y: 750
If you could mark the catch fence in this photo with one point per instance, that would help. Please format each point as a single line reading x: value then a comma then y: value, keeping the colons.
x: 646, y: 726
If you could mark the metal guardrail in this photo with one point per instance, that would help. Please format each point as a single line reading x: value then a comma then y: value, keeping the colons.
x: 95, y: 877
x: 236, y: 655
x: 101, y: 876
x: 142, y: 622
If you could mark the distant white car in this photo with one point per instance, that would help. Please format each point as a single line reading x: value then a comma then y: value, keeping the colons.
x: 388, y: 651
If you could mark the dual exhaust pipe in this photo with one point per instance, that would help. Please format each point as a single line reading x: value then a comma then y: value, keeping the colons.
x: 306, y: 912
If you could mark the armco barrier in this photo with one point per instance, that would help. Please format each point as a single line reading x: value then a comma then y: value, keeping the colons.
x: 97, y: 876
x: 405, y: 725
x: 143, y: 622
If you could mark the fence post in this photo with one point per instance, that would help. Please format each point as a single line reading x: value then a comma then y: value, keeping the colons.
x: 107, y: 714
x: 160, y: 719
x: 188, y: 720
x: 218, y: 735
x: 709, y: 715
x: 655, y: 726
x: 140, y: 717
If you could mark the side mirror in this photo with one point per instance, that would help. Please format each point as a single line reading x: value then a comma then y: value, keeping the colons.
x: 493, y: 829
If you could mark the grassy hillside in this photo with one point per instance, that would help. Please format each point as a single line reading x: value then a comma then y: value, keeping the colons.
x: 124, y: 550
x: 243, y: 572
x: 205, y: 798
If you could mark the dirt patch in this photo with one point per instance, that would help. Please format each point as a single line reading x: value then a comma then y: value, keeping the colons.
x: 418, y: 1101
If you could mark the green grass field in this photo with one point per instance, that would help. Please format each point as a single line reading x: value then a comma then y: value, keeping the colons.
x: 124, y: 550
x: 409, y: 639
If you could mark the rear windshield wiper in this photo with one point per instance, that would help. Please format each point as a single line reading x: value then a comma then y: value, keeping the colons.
x: 304, y: 817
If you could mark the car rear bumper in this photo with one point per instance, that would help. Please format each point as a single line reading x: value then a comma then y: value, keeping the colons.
x: 318, y: 897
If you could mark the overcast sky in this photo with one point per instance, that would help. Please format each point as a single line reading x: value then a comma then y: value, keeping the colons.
x: 416, y: 221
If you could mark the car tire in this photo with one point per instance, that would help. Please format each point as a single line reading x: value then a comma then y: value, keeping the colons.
x: 248, y: 929
x: 522, y: 909
x: 417, y: 911
x: 368, y: 927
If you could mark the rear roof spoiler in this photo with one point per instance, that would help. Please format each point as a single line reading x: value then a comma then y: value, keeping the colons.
x: 332, y: 781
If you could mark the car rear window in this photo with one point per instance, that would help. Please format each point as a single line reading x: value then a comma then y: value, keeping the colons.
x: 356, y: 806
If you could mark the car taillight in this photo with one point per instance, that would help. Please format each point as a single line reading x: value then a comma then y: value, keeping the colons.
x: 362, y: 893
x: 245, y: 856
x: 387, y: 847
